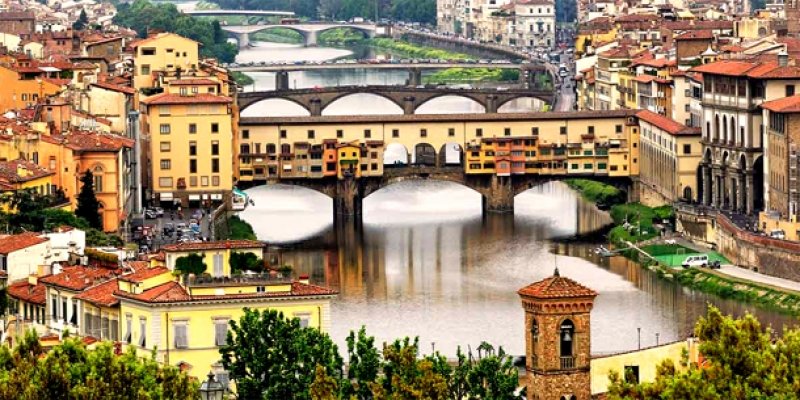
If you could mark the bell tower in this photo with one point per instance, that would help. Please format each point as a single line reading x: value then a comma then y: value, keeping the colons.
x: 557, y: 338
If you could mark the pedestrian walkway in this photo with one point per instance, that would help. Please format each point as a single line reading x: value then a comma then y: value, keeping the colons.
x: 746, y: 274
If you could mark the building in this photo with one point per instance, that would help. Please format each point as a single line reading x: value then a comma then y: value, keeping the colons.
x: 164, y: 52
x: 20, y: 91
x: 782, y: 149
x: 193, y: 127
x: 671, y: 154
x: 216, y: 255
x: 535, y: 23
x: 557, y: 338
x: 23, y: 254
x: 22, y: 175
x: 20, y: 23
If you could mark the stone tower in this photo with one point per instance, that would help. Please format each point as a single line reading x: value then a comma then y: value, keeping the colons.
x: 557, y: 338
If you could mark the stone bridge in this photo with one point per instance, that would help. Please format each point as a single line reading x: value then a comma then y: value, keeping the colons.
x: 310, y: 31
x: 408, y: 99
x: 497, y: 192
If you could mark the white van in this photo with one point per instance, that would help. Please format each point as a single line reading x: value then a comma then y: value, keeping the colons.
x: 777, y: 234
x: 700, y: 260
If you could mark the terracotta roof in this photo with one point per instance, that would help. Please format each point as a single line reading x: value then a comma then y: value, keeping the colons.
x: 169, y: 98
x: 138, y: 265
x: 789, y: 104
x: 666, y: 124
x: 644, y: 78
x: 758, y: 70
x: 9, y: 171
x: 102, y: 294
x: 144, y: 274
x: 174, y: 292
x: 156, y: 37
x: 12, y: 243
x: 698, y: 34
x: 556, y: 287
x: 14, y: 15
x: 113, y: 87
x: 222, y: 244
x: 78, y: 278
x: 692, y: 25
x: 726, y: 67
x: 95, y: 141
x: 22, y: 290
x: 192, y: 81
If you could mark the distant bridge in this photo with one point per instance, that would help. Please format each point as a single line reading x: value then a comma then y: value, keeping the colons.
x: 407, y: 98
x: 367, y: 65
x: 260, y: 13
x: 309, y: 30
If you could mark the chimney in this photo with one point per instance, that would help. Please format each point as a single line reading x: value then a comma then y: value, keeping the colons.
x: 304, y: 279
x: 22, y: 170
x: 33, y: 280
x: 783, y: 58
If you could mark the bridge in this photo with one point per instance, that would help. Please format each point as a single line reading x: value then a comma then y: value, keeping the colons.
x: 249, y: 13
x: 309, y: 30
x: 409, y: 99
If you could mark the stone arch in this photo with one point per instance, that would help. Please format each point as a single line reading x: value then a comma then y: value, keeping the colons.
x: 716, y: 127
x: 732, y: 131
x: 506, y: 101
x: 247, y: 105
x: 725, y: 158
x: 367, y: 33
x: 566, y: 338
x: 687, y: 194
x: 424, y: 154
x: 370, y: 189
x: 451, y: 153
x: 758, y: 184
x: 707, y: 156
x: 346, y: 94
x: 724, y: 128
x: 427, y: 100
x: 396, y: 154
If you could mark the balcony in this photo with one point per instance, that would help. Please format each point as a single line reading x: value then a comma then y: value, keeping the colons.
x: 241, y: 280
x: 567, y: 362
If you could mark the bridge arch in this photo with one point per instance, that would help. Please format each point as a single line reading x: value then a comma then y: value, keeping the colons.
x: 451, y: 154
x: 396, y: 154
x: 366, y: 32
x: 507, y: 102
x: 447, y: 95
x: 251, y: 109
x: 380, y: 95
x: 424, y: 154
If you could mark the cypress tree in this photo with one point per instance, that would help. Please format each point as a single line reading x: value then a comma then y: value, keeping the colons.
x: 88, y: 206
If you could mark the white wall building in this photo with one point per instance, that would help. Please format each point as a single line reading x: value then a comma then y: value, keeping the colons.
x: 535, y: 23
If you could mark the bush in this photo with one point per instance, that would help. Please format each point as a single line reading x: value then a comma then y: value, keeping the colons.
x: 238, y: 230
x: 597, y: 192
x: 191, y: 264
x: 245, y: 262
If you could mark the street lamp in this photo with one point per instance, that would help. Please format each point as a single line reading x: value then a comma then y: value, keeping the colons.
x: 211, y: 389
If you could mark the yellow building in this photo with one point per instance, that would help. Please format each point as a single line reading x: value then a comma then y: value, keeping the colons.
x: 349, y: 155
x: 164, y: 52
x: 17, y: 93
x: 671, y: 154
x: 20, y: 175
x: 216, y: 255
x: 193, y: 127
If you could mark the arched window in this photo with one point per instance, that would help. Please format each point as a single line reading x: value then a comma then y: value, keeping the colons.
x: 716, y: 127
x: 270, y: 148
x: 724, y: 128
x: 733, y: 130
x: 708, y: 130
x: 97, y: 178
x: 567, y: 337
x: 687, y: 194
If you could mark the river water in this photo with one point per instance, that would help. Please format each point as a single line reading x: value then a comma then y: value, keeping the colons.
x: 426, y: 263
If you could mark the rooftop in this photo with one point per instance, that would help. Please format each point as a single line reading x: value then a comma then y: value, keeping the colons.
x: 78, y: 278
x: 18, y: 171
x: 666, y: 124
x: 143, y: 274
x: 556, y: 287
x: 102, y: 294
x: 174, y: 292
x: 94, y: 141
x: 12, y: 243
x: 222, y: 244
x: 169, y: 98
x: 789, y: 104
x: 24, y: 291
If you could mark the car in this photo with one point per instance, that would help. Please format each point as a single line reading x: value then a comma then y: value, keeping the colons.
x: 195, y: 227
x: 150, y: 214
x: 159, y: 211
x: 697, y: 260
x: 715, y: 264
x: 168, y: 229
x: 777, y: 234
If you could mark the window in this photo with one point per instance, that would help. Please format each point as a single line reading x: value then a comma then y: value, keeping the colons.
x: 148, y: 51
x: 367, y: 133
x: 214, y: 148
x: 311, y: 134
x: 181, y: 339
x: 97, y: 182
x: 142, y: 332
x: 789, y: 90
x: 203, y: 181
x: 215, y: 165
x: 166, y: 164
x: 192, y: 181
x: 192, y: 128
x: 145, y: 69
x: 192, y: 166
x: 220, y: 332
x: 165, y: 182
x: 451, y: 132
x: 573, y: 166
x: 245, y: 134
x: 128, y: 329
x: 164, y: 129
x: 566, y: 338
x: 395, y: 133
x: 305, y: 319
x: 54, y: 307
x: 215, y: 180
x: 534, y: 131
x: 339, y: 133
x: 687, y: 149
x: 192, y: 148
x: 618, y: 128
x: 184, y: 91
x: 507, y: 131
x: 587, y: 166
x: 479, y: 132
x: 591, y: 130
x: 631, y: 374
x: 601, y: 166
x: 283, y: 133
x: 423, y: 133
x: 214, y: 127
x: 165, y: 147
x: 563, y: 130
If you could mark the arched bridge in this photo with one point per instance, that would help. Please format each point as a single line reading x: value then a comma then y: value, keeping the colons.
x: 407, y: 98
x: 249, y: 13
x: 310, y: 31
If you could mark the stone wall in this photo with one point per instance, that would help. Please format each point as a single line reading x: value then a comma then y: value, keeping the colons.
x: 769, y: 256
x: 651, y: 197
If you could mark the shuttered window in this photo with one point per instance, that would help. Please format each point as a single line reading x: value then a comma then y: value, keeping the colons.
x: 181, y: 341
x: 128, y: 329
x: 220, y: 332
x: 105, y: 329
x: 142, y: 332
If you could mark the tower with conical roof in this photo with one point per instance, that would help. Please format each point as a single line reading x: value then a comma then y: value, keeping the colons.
x: 557, y: 338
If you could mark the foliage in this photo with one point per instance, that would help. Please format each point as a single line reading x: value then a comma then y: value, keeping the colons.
x: 743, y: 360
x: 342, y: 36
x: 566, y: 11
x: 415, y: 51
x: 70, y: 371
x: 272, y: 357
x: 639, y: 219
x: 88, y: 206
x: 190, y: 264
x: 423, y: 11
x: 243, y: 261
x: 238, y: 230
x: 473, y: 75
x: 303, y: 8
x: 597, y: 192
x: 241, y: 78
x: 142, y: 15
x: 81, y: 22
x: 363, y: 366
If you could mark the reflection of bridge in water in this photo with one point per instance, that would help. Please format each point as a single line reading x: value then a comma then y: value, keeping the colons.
x: 408, y: 99
x: 309, y: 30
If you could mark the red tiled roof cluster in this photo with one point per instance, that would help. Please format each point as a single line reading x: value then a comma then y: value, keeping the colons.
x: 144, y: 274
x: 79, y: 278
x: 22, y: 290
x: 697, y: 34
x: 9, y: 171
x: 102, y: 294
x: 94, y: 141
x: 114, y: 87
x: 192, y: 81
x: 12, y: 243
x: 169, y: 98
x: 174, y: 292
x: 697, y: 25
x: 222, y: 244
x: 789, y: 104
x: 667, y: 124
x: 556, y: 287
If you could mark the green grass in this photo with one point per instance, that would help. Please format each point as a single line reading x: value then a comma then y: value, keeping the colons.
x: 415, y: 51
x: 675, y: 260
x: 640, y: 219
x: 597, y: 192
x: 472, y: 75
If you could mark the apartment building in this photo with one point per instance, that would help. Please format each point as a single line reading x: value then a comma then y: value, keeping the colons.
x: 535, y: 23
x: 782, y: 148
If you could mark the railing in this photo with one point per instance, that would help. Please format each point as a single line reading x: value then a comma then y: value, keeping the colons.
x: 249, y: 279
x: 567, y: 362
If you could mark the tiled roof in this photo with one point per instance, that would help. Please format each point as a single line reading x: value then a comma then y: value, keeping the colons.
x: 174, y: 292
x: 222, y: 244
x: 95, y: 141
x: 144, y: 274
x: 192, y: 81
x: 156, y: 37
x: 556, y: 287
x: 726, y: 67
x: 22, y: 290
x: 666, y: 124
x: 169, y: 98
x: 78, y: 278
x: 757, y: 70
x: 9, y: 171
x: 115, y: 88
x: 102, y: 294
x: 692, y: 25
x: 699, y: 34
x: 14, y: 15
x: 789, y: 104
x: 12, y: 243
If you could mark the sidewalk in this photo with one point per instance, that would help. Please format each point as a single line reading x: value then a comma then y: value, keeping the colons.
x: 746, y: 274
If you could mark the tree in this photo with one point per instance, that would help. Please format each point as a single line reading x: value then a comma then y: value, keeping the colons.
x: 324, y: 386
x: 243, y: 261
x: 363, y: 366
x: 271, y: 357
x: 742, y: 361
x: 81, y: 22
x: 190, y: 264
x: 88, y: 206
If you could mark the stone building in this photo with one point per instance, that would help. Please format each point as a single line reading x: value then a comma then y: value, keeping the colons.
x: 20, y: 23
x: 557, y: 338
x: 782, y: 118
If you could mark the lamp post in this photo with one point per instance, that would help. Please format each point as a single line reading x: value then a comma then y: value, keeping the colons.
x: 211, y: 389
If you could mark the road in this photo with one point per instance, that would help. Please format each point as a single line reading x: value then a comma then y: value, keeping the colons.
x: 566, y: 95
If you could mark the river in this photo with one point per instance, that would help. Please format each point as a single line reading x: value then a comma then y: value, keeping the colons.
x: 426, y: 263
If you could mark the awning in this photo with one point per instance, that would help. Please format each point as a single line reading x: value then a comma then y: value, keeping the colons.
x: 166, y: 196
x: 194, y: 197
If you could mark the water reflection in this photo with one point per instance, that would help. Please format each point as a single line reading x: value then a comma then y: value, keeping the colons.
x: 426, y: 263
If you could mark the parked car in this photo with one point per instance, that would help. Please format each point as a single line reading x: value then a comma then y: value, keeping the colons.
x: 168, y: 229
x: 699, y: 260
x: 714, y: 264
x: 150, y: 214
x: 777, y: 234
x: 159, y: 211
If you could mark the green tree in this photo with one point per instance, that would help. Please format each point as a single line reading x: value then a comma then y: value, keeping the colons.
x: 324, y: 386
x: 81, y: 22
x: 363, y: 366
x: 743, y: 360
x: 190, y: 264
x: 271, y: 357
x: 88, y: 206
x: 243, y: 261
x: 493, y: 376
x: 406, y: 377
